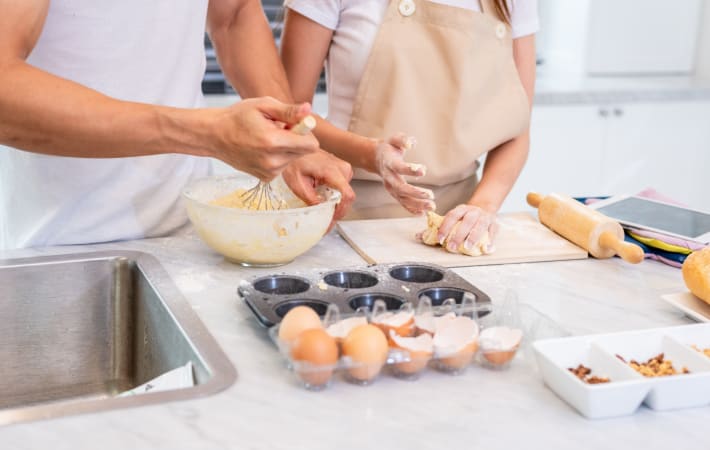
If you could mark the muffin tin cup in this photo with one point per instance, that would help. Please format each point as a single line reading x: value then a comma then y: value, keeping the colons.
x: 609, y: 356
x: 271, y: 297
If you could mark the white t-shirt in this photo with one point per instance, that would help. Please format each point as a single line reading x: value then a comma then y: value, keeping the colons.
x: 136, y: 50
x: 355, y: 24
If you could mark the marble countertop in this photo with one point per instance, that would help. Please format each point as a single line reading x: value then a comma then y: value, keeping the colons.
x: 266, y: 409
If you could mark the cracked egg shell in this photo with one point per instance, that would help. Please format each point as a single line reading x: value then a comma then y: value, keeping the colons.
x: 427, y: 323
x: 340, y: 329
x: 401, y: 322
x: 456, y: 342
x: 420, y: 350
x: 499, y: 344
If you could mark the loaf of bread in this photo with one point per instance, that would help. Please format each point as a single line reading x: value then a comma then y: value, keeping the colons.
x: 696, y: 273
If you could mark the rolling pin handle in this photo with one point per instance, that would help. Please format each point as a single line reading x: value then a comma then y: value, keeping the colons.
x: 627, y: 251
x: 534, y: 199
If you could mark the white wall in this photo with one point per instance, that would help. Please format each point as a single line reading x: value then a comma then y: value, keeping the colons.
x: 703, y: 63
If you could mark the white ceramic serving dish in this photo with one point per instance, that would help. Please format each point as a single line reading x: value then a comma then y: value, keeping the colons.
x: 609, y: 355
x: 668, y: 392
x: 620, y: 397
x: 691, y: 335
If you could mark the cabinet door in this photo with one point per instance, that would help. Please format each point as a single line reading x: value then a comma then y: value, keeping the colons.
x: 566, y: 150
x: 665, y: 146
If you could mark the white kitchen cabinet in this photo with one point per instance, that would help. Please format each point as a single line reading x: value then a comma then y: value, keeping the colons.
x: 566, y: 146
x: 665, y: 146
x: 585, y: 150
x: 653, y: 36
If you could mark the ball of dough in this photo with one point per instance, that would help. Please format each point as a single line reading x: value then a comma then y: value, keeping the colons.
x: 696, y: 273
x: 429, y: 237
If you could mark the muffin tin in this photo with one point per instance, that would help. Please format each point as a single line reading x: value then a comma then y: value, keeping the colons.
x: 271, y: 297
x: 627, y: 388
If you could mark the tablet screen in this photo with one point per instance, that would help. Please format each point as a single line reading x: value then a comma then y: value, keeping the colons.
x: 660, y: 216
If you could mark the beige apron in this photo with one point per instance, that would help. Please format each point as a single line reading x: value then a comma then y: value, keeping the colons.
x: 445, y: 75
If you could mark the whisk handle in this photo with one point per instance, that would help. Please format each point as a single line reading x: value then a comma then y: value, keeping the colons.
x: 305, y: 126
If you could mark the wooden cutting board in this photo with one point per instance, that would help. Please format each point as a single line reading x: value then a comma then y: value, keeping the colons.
x: 521, y: 238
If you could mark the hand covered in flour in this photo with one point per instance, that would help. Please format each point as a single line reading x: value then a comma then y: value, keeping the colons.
x: 466, y: 229
x: 390, y: 164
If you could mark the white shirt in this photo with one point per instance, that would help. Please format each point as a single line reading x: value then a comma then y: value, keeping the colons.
x: 355, y: 24
x: 148, y: 51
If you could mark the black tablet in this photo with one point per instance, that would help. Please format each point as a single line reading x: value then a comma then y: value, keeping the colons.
x: 657, y: 216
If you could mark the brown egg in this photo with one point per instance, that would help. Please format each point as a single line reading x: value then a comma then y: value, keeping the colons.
x: 297, y: 320
x: 366, y: 346
x: 315, y: 354
x: 341, y: 329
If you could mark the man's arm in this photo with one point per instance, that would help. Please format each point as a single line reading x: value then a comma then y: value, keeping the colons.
x: 246, y: 49
x: 248, y: 57
x: 43, y: 113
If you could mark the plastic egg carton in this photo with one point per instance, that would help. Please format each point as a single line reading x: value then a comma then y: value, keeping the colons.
x: 609, y: 355
x: 365, y: 293
x: 402, y: 362
x: 355, y: 288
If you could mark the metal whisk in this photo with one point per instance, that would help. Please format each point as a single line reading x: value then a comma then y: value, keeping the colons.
x: 262, y: 197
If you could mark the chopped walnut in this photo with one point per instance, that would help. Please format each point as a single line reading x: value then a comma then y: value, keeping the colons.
x: 584, y: 374
x: 657, y: 366
x: 705, y: 351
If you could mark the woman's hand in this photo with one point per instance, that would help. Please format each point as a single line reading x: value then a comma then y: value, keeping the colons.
x: 474, y: 223
x: 390, y: 165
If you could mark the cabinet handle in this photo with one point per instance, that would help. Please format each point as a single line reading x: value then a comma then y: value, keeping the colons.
x: 603, y: 112
x: 618, y: 112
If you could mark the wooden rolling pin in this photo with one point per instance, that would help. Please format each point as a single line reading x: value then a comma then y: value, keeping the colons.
x: 601, y: 236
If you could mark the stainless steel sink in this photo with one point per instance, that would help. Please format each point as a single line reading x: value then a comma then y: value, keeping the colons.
x: 76, y: 330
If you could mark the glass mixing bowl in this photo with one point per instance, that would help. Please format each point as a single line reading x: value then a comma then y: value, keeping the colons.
x: 257, y: 238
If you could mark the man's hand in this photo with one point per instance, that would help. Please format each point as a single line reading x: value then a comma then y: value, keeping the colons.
x: 305, y: 174
x: 390, y: 164
x: 251, y: 136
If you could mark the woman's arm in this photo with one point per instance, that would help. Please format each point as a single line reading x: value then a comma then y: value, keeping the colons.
x: 501, y: 170
x: 504, y: 163
x: 304, y: 47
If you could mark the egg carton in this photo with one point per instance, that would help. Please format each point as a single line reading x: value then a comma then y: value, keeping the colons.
x: 608, y: 356
x: 362, y: 365
x: 491, y: 338
x: 356, y: 288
